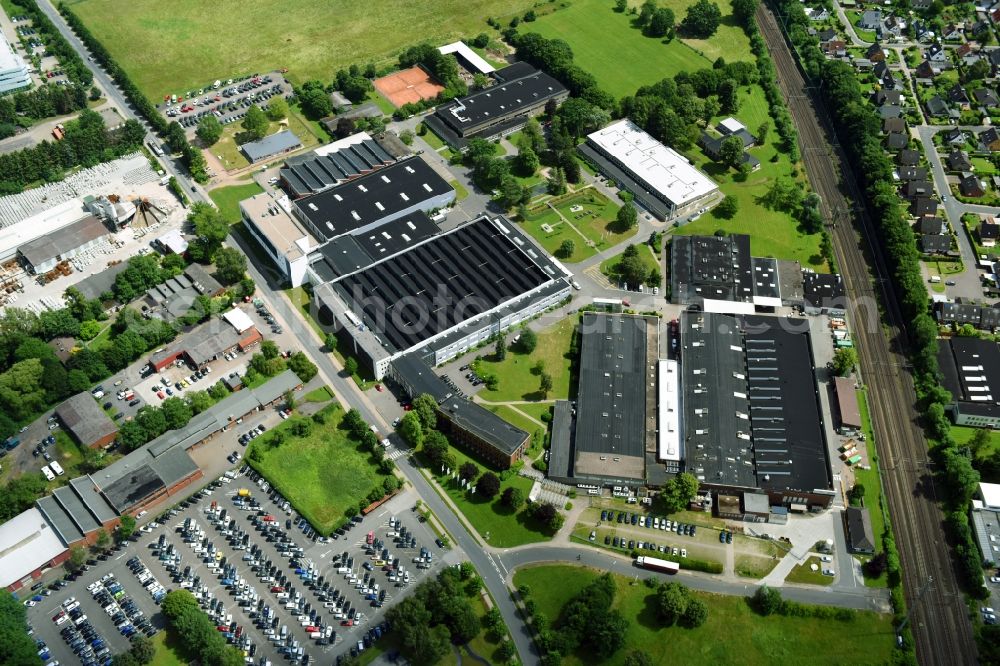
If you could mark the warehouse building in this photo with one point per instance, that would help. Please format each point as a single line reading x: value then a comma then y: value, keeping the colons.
x: 442, y: 296
x: 985, y: 522
x: 661, y: 179
x: 860, y: 537
x: 14, y: 73
x: 332, y: 164
x: 86, y: 422
x: 43, y: 253
x: 204, y: 344
x: 175, y: 297
x: 270, y: 146
x: 715, y: 272
x: 752, y: 417
x: 520, y: 92
x: 823, y: 293
x: 616, y: 412
x: 467, y: 58
x: 29, y: 546
x: 847, y: 403
x: 971, y: 372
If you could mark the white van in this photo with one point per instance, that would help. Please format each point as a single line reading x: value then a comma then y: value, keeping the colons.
x: 57, y: 468
x: 48, y: 473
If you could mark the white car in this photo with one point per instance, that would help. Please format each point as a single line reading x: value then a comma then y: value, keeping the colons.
x: 829, y: 572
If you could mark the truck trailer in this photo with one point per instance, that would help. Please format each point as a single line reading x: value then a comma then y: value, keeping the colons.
x: 656, y: 564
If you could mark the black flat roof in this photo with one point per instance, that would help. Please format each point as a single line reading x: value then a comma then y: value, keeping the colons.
x: 509, y: 97
x: 372, y: 197
x: 790, y: 450
x: 485, y: 424
x: 765, y: 277
x: 305, y: 174
x: 351, y: 253
x: 971, y: 371
x: 442, y: 282
x: 611, y: 410
x: 712, y: 267
x: 418, y: 377
x: 823, y: 289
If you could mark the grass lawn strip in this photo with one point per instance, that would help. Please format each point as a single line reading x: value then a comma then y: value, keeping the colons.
x: 517, y: 381
x: 733, y: 634
x: 753, y: 566
x: 507, y: 413
x: 312, y: 38
x: 228, y: 199
x: 803, y: 573
x: 321, y: 394
x: 170, y: 650
x: 322, y: 474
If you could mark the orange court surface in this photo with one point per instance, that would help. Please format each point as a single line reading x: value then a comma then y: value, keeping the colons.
x: 408, y: 85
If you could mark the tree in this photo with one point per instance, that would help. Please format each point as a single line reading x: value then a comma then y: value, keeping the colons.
x: 103, y: 540
x: 671, y: 602
x: 176, y: 138
x: 695, y: 614
x: 176, y: 413
x: 211, y: 229
x: 277, y: 109
x: 345, y: 127
x: 501, y: 347
x: 702, y: 19
x: 627, y: 217
x: 330, y: 343
x: 767, y: 601
x: 304, y: 368
x: 744, y: 10
x: 978, y: 70
x: 566, y: 248
x: 545, y: 383
x: 544, y: 512
x: 526, y: 162
x: 556, y: 183
x: 468, y: 472
x: 731, y: 152
x: 314, y: 100
x: 980, y: 440
x: 527, y: 341
x: 727, y: 207
x: 269, y: 349
x: 425, y: 406
x: 142, y: 649
x: 678, y: 492
x: 255, y: 123
x: 662, y: 23
x: 77, y: 558
x: 646, y: 13
x: 844, y: 360
x: 876, y: 566
x: 489, y: 485
x: 513, y: 497
x: 209, y: 130
x: 351, y: 366
x: 857, y: 493
x: 763, y: 128
x: 230, y: 265
x: 637, y: 658
x: 16, y: 646
x: 411, y: 429
x: 127, y: 527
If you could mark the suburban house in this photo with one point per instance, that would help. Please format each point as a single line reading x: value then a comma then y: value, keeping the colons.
x: 919, y: 188
x: 989, y: 232
x: 954, y: 136
x: 888, y: 97
x: 921, y: 206
x: 860, y: 537
x: 875, y: 53
x: 871, y: 20
x: 958, y: 160
x: 909, y: 157
x: 936, y: 106
x: 908, y: 173
x: 926, y: 71
x: 957, y: 95
x: 930, y: 226
x: 990, y: 138
x: 896, y: 141
x: 835, y: 48
x: 971, y: 186
x: 937, y: 54
x: 935, y: 244
x: 986, y: 98
x: 893, y: 125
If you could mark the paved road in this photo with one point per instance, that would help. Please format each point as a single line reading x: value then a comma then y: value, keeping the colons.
x: 940, y: 623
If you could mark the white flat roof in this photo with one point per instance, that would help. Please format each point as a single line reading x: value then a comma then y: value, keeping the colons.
x: 271, y: 218
x: 339, y: 144
x: 669, y: 444
x: 660, y: 168
x: 9, y: 60
x: 727, y: 307
x: 43, y: 224
x: 991, y: 495
x: 470, y: 56
x: 173, y: 240
x: 238, y: 319
x: 27, y: 542
x: 732, y: 125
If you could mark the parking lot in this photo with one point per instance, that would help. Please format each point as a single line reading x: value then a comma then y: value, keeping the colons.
x: 275, y: 588
x: 229, y: 101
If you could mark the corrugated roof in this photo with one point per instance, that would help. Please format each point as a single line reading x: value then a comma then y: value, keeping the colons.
x: 27, y: 542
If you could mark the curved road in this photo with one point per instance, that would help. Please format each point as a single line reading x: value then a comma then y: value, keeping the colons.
x: 939, y: 621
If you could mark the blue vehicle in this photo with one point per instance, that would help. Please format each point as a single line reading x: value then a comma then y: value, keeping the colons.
x: 228, y: 582
x: 12, y: 443
x: 649, y: 521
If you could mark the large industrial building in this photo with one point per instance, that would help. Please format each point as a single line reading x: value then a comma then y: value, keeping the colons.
x: 377, y: 211
x: 42, y: 254
x: 520, y: 91
x: 86, y: 422
x: 971, y: 371
x: 661, y: 179
x: 333, y: 163
x: 442, y: 296
x: 986, y: 522
x: 14, y: 73
x: 751, y: 414
x: 611, y: 435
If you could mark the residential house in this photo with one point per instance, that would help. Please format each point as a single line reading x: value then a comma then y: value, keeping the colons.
x: 994, y: 56
x: 919, y: 29
x: 937, y: 54
x: 954, y: 137
x: 989, y: 232
x: 826, y: 35
x: 835, y: 48
x: 918, y: 188
x: 951, y: 32
x: 958, y: 160
x: 875, y: 53
x: 936, y: 106
x: 896, y: 141
x: 871, y: 20
x: 884, y: 74
x: 862, y: 64
x: 895, y: 25
x: 931, y: 225
x: 891, y: 125
x: 980, y: 27
x: 935, y: 244
x: 990, y: 139
x: 910, y: 173
x: 922, y: 206
x: 888, y: 98
x: 958, y: 96
x: 890, y: 111
x: 985, y: 98
x: 920, y: 5
x: 926, y: 71
x: 909, y: 157
x: 817, y: 14
x: 971, y: 186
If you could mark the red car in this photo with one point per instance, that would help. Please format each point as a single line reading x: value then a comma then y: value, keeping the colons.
x: 378, y: 387
x: 347, y: 623
x: 160, y: 395
x: 222, y: 627
x: 311, y: 629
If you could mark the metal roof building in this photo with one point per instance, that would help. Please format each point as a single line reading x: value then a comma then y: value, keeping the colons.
x: 27, y: 544
x: 971, y: 372
x: 847, y: 402
x: 42, y: 254
x: 275, y: 144
x: 712, y: 270
x: 84, y: 419
x: 333, y: 163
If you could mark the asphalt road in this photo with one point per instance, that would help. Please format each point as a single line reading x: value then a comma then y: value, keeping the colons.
x: 939, y: 622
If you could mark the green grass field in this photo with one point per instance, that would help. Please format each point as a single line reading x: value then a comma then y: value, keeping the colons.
x: 603, y: 41
x: 322, y: 474
x: 591, y: 226
x: 193, y: 43
x: 169, y: 650
x: 803, y: 573
x: 227, y: 150
x: 517, y: 381
x: 773, y: 233
x: 228, y: 199
x: 321, y: 394
x: 729, y: 41
x: 733, y: 634
x: 511, y: 416
x: 610, y: 266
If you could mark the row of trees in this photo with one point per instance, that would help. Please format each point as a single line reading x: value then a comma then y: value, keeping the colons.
x: 87, y: 142
x: 69, y: 60
x: 16, y: 646
x: 556, y: 57
x: 444, y: 68
x: 42, y: 102
x: 201, y: 638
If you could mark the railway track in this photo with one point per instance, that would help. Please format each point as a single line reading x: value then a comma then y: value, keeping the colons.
x: 939, y: 622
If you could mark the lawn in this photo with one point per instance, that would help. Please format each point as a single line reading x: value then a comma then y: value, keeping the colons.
x: 728, y: 42
x: 321, y: 394
x: 517, y: 379
x: 432, y: 139
x: 870, y: 478
x: 733, y: 634
x: 754, y: 566
x: 194, y: 43
x: 803, y: 573
x: 610, y: 266
x: 322, y: 474
x: 228, y: 199
x: 228, y: 151
x: 773, y: 233
x: 516, y: 419
x: 460, y: 191
x: 301, y: 298
x: 550, y: 231
x: 170, y: 651
x: 586, y: 217
x: 602, y: 40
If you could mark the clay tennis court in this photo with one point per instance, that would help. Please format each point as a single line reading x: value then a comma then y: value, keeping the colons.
x: 409, y: 85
